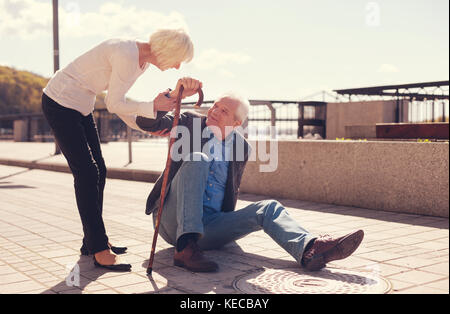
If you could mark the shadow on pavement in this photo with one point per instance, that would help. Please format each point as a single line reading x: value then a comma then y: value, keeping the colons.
x: 16, y: 186
x: 15, y: 174
x: 88, y: 273
x: 384, y: 216
x: 233, y: 263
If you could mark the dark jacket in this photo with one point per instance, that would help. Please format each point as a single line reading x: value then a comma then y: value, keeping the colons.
x: 235, y: 170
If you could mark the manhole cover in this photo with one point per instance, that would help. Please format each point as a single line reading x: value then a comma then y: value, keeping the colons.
x: 296, y: 281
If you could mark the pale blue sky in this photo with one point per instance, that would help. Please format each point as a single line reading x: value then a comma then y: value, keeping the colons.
x: 283, y: 49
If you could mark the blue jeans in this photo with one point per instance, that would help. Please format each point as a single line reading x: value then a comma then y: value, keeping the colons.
x: 183, y: 213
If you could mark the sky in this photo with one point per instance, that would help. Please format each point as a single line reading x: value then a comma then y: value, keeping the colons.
x: 262, y: 49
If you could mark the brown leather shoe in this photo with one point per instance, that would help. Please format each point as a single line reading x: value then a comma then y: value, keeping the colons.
x: 326, y: 249
x: 192, y: 258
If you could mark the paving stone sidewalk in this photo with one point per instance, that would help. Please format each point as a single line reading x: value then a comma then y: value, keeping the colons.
x: 146, y: 154
x: 40, y: 234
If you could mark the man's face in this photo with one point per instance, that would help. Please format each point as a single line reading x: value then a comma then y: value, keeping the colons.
x: 223, y: 114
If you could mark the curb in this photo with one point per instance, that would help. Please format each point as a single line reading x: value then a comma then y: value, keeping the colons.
x: 111, y: 173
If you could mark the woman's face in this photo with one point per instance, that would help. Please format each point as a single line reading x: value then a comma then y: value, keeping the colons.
x: 175, y: 66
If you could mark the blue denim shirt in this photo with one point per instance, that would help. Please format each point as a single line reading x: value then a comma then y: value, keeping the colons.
x: 219, y: 153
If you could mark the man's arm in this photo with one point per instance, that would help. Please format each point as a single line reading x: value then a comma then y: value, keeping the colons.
x: 130, y: 120
x: 163, y: 121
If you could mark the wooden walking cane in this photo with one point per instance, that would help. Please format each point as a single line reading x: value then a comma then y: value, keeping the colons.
x: 166, y: 172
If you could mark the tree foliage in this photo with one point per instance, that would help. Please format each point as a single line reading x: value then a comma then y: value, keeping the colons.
x: 21, y: 91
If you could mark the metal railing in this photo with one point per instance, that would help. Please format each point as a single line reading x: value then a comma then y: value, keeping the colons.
x: 427, y: 102
x: 292, y: 119
x: 33, y: 127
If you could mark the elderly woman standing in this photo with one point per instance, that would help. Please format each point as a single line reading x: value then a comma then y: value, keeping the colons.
x: 68, y: 102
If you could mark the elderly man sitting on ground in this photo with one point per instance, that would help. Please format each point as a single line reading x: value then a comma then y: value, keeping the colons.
x: 199, y: 210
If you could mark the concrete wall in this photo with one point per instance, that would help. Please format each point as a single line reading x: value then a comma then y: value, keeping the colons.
x: 340, y: 115
x: 361, y: 131
x: 405, y: 177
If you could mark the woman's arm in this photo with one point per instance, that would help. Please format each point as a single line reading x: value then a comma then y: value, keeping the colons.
x: 122, y: 78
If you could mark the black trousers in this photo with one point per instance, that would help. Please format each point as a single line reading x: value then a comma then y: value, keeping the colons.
x: 77, y: 136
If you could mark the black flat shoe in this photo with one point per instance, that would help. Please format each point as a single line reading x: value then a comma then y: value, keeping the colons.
x: 118, y: 250
x: 115, y: 267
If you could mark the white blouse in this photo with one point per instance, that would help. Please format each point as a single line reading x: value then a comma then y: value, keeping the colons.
x: 113, y: 65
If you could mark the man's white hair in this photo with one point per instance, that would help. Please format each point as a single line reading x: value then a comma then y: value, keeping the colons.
x: 171, y: 46
x: 243, y: 105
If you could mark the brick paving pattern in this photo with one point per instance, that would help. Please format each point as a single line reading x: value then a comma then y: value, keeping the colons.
x: 40, y: 234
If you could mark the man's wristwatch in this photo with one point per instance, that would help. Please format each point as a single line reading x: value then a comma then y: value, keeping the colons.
x: 168, y: 93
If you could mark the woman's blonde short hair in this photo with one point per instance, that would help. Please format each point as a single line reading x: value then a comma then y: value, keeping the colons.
x: 171, y: 46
